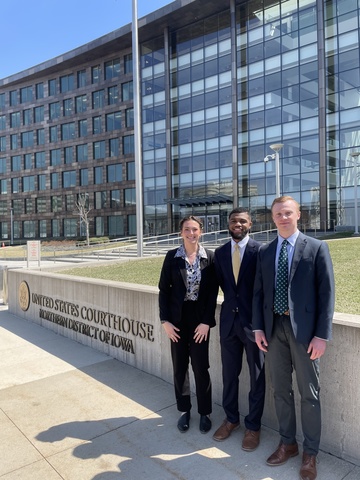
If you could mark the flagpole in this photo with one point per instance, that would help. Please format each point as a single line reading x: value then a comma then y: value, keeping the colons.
x: 137, y: 131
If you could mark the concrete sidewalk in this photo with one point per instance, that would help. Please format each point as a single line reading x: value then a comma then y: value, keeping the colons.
x: 70, y: 412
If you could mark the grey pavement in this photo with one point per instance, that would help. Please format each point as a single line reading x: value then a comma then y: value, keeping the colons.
x: 70, y: 412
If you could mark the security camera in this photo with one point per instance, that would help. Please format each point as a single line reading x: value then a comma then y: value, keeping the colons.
x: 267, y: 158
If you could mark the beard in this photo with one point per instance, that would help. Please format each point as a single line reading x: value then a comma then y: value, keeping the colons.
x: 239, y: 235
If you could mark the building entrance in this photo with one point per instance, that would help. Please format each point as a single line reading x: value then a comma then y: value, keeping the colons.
x: 211, y: 223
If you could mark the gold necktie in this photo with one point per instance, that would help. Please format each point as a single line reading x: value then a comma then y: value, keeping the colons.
x: 236, y: 261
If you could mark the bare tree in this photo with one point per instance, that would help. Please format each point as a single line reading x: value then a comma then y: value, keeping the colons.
x: 83, y: 209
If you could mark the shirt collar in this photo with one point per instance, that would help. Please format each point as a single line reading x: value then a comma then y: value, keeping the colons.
x: 292, y: 239
x: 181, y: 252
x: 242, y: 242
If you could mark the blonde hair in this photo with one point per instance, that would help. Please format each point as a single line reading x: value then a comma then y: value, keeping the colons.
x: 283, y: 199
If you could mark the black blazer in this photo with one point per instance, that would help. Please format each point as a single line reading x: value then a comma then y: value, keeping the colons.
x: 237, y: 297
x: 311, y: 290
x: 173, y: 284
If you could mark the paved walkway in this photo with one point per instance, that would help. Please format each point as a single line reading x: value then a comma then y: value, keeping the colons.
x: 70, y: 412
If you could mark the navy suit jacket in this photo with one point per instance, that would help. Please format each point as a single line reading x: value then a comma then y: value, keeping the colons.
x: 173, y: 284
x: 237, y: 297
x: 311, y: 290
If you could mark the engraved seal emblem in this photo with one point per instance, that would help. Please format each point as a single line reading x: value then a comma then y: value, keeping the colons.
x: 24, y: 296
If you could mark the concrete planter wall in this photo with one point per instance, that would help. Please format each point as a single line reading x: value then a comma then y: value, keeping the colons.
x: 122, y: 320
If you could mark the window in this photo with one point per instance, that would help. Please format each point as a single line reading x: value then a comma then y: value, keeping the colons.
x: 127, y: 92
x: 112, y: 69
x: 69, y: 203
x: 52, y: 87
x: 68, y: 105
x: 81, y: 153
x: 15, y: 185
x: 29, y: 183
x: 99, y: 226
x: 27, y: 139
x: 55, y: 227
x: 27, y: 116
x: 95, y: 74
x: 116, y: 225
x: 14, y: 99
x: 68, y: 131
x: 114, y: 147
x: 113, y: 121
x: 54, y: 110
x: 56, y: 203
x: 69, y: 179
x: 80, y: 104
x: 26, y: 94
x: 128, y: 63
x: 29, y: 205
x: 16, y: 163
x: 2, y: 122
x: 2, y: 101
x: 130, y: 171
x: 82, y: 128
x: 3, y: 207
x: 114, y: 173
x: 54, y: 181
x: 3, y: 144
x: 29, y: 228
x: 81, y: 78
x: 55, y: 157
x: 14, y: 141
x: 15, y: 120
x: 54, y: 134
x: 100, y: 200
x: 98, y: 99
x: 42, y: 228
x: 69, y: 154
x: 96, y: 125
x: 27, y: 161
x: 70, y: 227
x: 84, y: 177
x: 41, y: 182
x: 115, y: 199
x: 67, y: 83
x: 39, y: 90
x: 99, y: 150
x: 3, y: 165
x: 3, y: 186
x: 128, y: 144
x: 18, y: 206
x: 129, y: 117
x: 39, y: 114
x: 40, y: 160
x: 40, y: 136
x: 113, y: 95
x: 129, y: 197
x: 98, y: 175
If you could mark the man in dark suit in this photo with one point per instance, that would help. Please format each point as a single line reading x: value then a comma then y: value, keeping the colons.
x: 236, y: 333
x: 292, y: 319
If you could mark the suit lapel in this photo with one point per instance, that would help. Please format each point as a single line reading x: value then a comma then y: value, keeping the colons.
x: 298, y: 253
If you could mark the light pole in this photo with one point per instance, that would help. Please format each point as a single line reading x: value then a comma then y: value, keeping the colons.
x: 355, y: 156
x: 275, y: 156
x: 11, y: 226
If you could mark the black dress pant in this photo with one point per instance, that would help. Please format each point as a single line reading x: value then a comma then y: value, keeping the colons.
x: 186, y: 350
x: 232, y: 351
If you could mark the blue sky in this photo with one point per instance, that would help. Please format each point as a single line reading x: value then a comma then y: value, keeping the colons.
x: 33, y: 31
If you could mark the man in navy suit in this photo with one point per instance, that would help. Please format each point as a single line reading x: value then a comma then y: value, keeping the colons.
x: 236, y: 332
x: 294, y: 328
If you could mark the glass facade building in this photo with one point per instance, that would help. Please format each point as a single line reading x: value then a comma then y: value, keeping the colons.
x: 220, y: 83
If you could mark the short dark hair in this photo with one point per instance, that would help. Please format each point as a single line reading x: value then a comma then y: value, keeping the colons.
x: 191, y: 217
x: 240, y: 210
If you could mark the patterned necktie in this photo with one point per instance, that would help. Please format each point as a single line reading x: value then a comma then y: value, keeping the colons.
x: 281, y: 290
x: 236, y: 261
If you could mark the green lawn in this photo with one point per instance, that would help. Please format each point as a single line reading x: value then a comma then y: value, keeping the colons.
x: 345, y: 254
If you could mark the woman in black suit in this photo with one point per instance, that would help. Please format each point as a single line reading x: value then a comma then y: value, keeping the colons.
x: 187, y: 300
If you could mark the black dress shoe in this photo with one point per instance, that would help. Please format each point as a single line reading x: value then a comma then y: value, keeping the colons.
x: 184, y: 422
x: 205, y: 423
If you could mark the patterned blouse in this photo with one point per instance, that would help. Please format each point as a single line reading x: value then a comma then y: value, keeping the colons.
x: 193, y: 273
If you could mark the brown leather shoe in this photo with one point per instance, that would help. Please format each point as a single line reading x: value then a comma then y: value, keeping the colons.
x: 224, y: 431
x: 308, y: 467
x: 282, y: 454
x: 251, y: 440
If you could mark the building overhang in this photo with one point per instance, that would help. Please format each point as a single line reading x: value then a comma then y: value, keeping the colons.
x: 201, y: 200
